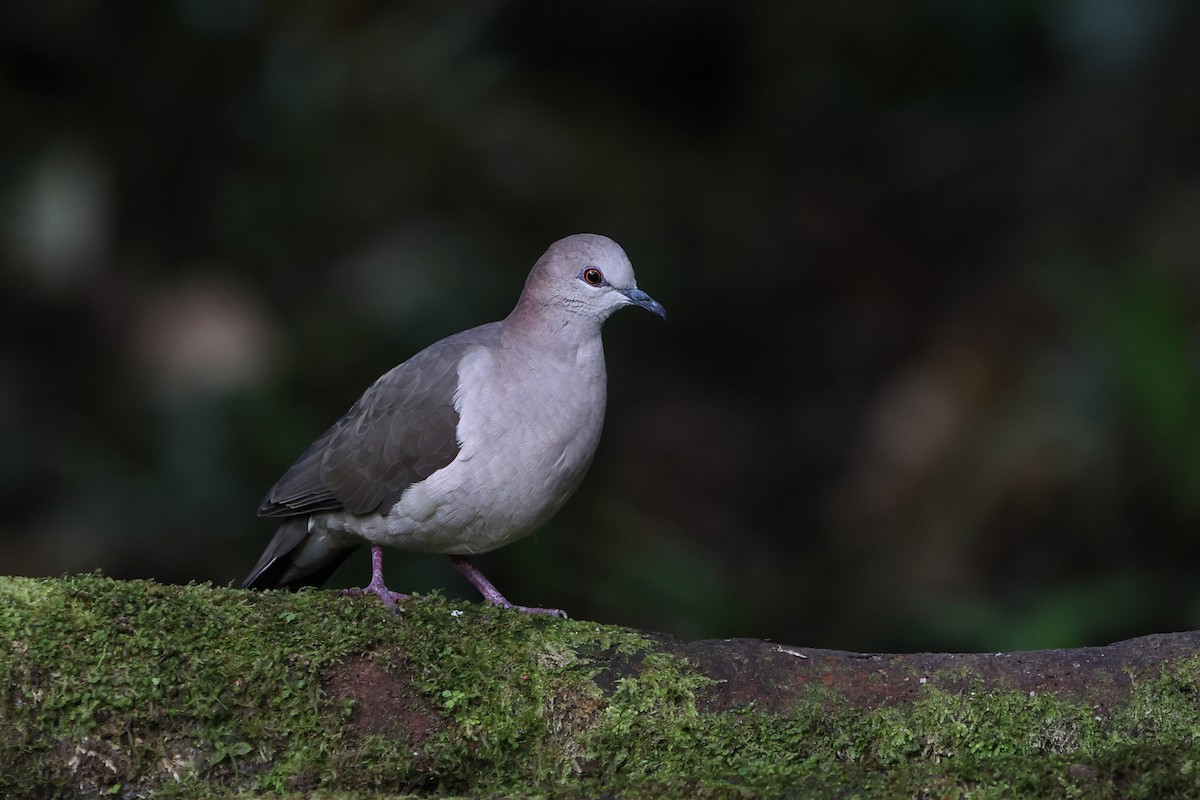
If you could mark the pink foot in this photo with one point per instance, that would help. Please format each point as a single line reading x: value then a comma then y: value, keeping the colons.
x: 491, y: 594
x: 376, y: 586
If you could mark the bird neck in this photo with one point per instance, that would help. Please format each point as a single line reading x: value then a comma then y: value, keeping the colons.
x: 560, y: 326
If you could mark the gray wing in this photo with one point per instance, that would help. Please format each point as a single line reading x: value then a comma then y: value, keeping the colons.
x: 401, y: 431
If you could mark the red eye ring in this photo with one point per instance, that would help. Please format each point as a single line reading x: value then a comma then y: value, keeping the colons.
x: 592, y: 276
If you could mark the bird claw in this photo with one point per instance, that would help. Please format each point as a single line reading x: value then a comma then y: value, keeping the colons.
x: 549, y: 612
x: 385, y: 595
x: 491, y: 594
x: 376, y: 586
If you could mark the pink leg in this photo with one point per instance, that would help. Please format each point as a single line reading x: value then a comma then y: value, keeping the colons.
x: 490, y: 593
x: 376, y: 587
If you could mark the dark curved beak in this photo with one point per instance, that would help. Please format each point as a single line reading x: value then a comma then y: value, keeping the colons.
x: 643, y: 300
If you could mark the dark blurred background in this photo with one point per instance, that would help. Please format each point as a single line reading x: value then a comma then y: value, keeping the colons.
x: 930, y: 376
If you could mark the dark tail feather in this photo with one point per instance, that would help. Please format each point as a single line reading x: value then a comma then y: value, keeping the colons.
x: 278, y: 568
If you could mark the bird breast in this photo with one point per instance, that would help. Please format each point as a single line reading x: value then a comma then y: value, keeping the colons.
x: 527, y: 428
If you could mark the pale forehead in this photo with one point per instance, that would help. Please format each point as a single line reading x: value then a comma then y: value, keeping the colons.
x: 593, y: 250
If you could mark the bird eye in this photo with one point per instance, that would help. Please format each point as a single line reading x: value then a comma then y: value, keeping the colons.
x: 593, y: 276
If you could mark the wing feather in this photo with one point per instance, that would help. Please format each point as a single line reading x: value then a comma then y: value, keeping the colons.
x: 401, y: 431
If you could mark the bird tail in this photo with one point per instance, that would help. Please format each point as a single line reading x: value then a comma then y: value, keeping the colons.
x: 294, y: 558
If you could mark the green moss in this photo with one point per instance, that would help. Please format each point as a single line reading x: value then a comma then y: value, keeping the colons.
x: 167, y: 683
x: 650, y: 719
x: 137, y: 689
x: 1167, y: 707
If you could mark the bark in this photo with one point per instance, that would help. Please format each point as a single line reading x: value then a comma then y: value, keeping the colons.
x: 134, y: 689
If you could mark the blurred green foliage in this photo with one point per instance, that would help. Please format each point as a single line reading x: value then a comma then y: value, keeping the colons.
x: 930, y: 378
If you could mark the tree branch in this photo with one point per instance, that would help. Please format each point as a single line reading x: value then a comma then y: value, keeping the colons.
x: 134, y: 688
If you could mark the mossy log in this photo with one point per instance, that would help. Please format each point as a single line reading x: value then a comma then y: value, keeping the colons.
x: 135, y: 689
